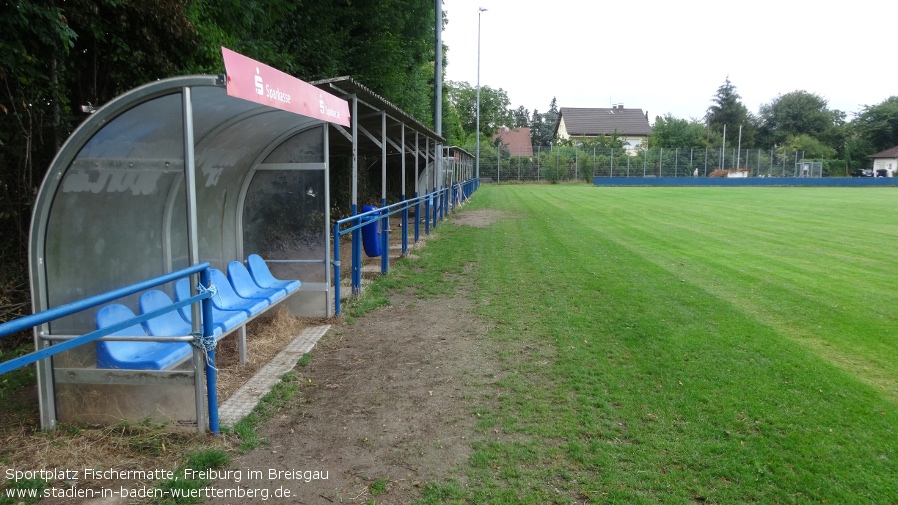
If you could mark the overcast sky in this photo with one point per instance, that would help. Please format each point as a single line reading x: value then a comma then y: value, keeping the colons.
x: 671, y: 56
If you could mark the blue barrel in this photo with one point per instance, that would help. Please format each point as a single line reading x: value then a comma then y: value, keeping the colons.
x: 371, y: 232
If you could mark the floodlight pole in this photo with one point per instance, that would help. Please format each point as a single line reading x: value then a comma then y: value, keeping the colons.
x: 477, y: 132
x: 438, y: 72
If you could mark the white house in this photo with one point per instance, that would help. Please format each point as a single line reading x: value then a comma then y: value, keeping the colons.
x: 631, y: 125
x: 885, y: 162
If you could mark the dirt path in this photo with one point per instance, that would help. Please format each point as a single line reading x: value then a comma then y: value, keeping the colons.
x: 384, y: 407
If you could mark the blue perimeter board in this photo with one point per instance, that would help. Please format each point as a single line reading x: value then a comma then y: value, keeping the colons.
x: 847, y: 182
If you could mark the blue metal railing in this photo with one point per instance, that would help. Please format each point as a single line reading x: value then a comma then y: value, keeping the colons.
x: 30, y: 321
x: 437, y: 205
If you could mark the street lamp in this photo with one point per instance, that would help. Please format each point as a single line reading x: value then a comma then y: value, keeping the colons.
x: 477, y: 132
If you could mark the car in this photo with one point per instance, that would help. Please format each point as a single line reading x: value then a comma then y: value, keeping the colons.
x: 862, y: 172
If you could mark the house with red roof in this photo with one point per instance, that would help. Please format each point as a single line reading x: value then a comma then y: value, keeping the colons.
x: 517, y: 140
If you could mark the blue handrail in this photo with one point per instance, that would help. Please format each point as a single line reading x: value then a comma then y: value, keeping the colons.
x: 30, y: 321
x: 437, y: 204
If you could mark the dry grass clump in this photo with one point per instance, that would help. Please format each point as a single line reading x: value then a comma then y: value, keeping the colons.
x: 123, y: 446
x: 148, y: 444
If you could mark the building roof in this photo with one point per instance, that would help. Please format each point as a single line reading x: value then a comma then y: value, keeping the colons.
x: 888, y: 153
x: 604, y: 121
x: 517, y: 140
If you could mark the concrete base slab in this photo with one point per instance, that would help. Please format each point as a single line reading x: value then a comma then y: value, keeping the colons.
x: 245, y: 399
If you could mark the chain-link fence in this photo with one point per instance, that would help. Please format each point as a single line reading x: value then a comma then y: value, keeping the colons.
x: 574, y: 163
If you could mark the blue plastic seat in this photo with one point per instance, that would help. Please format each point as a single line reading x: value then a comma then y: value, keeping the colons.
x: 244, y: 285
x: 134, y: 355
x: 263, y: 278
x: 170, y: 324
x: 224, y: 320
x: 228, y: 299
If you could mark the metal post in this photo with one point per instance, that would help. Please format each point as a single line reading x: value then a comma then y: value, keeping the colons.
x: 477, y: 129
x: 723, y: 149
x: 498, y: 160
x: 193, y: 252
x: 538, y: 156
x: 336, y: 264
x: 385, y: 221
x: 739, y: 151
x: 691, y: 163
x: 357, y: 233
x: 402, y: 197
x: 645, y: 159
x: 211, y: 371
x: 417, y: 192
x: 437, y: 73
x: 327, y: 217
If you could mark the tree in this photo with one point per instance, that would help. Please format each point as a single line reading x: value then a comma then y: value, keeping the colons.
x: 877, y: 125
x: 536, y: 128
x: 797, y: 113
x: 672, y: 132
x: 729, y: 111
x: 123, y: 44
x: 542, y: 130
x: 385, y: 45
x: 494, y: 111
x: 810, y: 147
x: 36, y: 41
x: 521, y: 117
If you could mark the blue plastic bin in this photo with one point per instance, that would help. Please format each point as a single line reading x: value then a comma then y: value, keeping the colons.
x: 371, y: 232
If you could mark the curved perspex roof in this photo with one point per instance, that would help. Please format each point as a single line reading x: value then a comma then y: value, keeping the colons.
x: 113, y: 207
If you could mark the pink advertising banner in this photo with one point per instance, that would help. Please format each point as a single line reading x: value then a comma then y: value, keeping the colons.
x: 250, y: 80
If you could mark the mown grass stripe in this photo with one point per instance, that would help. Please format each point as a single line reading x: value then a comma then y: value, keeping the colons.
x: 648, y: 361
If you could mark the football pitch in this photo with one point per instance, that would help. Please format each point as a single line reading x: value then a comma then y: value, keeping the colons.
x: 682, y: 345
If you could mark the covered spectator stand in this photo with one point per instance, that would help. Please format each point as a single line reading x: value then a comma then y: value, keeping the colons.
x: 166, y: 176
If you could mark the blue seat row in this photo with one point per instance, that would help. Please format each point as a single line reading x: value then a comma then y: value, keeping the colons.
x: 244, y: 293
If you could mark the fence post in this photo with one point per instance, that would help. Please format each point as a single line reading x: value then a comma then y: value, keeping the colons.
x: 691, y: 150
x: 645, y: 158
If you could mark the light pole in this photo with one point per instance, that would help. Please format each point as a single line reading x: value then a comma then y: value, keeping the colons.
x: 477, y: 132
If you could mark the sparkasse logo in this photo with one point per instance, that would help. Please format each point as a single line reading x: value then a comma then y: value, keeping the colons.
x: 260, y: 90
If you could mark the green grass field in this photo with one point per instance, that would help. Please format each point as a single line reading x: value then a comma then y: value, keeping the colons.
x: 682, y: 345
